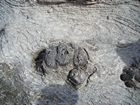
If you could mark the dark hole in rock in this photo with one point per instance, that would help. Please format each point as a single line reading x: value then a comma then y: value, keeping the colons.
x: 39, y: 61
x: 2, y: 35
x: 129, y: 84
x: 64, y: 54
x: 125, y: 77
x: 76, y: 77
x: 81, y: 57
x: 11, y: 92
x: 50, y: 56
x: 130, y: 72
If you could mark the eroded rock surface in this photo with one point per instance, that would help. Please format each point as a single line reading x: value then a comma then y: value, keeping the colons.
x: 101, y: 28
x: 80, y: 57
x: 64, y: 54
x: 50, y: 56
x: 131, y: 76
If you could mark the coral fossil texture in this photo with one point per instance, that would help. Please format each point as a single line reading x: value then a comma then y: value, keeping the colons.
x: 109, y: 30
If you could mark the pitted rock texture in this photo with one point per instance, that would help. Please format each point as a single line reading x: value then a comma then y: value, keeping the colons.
x: 108, y: 30
x: 131, y: 76
x: 64, y: 54
x: 80, y: 57
x: 47, y: 2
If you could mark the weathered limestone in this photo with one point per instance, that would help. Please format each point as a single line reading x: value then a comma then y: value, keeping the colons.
x: 62, y: 55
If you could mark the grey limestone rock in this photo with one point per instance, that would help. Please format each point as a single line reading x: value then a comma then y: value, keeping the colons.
x: 64, y: 54
x: 50, y: 56
x: 81, y: 57
x: 76, y: 77
x: 33, y: 27
x: 125, y: 77
x: 137, y: 76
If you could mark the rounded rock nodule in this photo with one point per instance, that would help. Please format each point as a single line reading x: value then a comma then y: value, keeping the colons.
x: 81, y: 57
x: 50, y: 56
x: 131, y: 76
x: 64, y: 54
x: 76, y: 77
x: 125, y: 77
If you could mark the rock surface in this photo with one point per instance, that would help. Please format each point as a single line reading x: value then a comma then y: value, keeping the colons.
x: 64, y: 54
x: 50, y: 56
x: 109, y: 30
x: 131, y: 75
x: 80, y: 57
x: 76, y: 77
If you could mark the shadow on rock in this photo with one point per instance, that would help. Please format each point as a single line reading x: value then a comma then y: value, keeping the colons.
x: 58, y: 95
x: 129, y: 53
